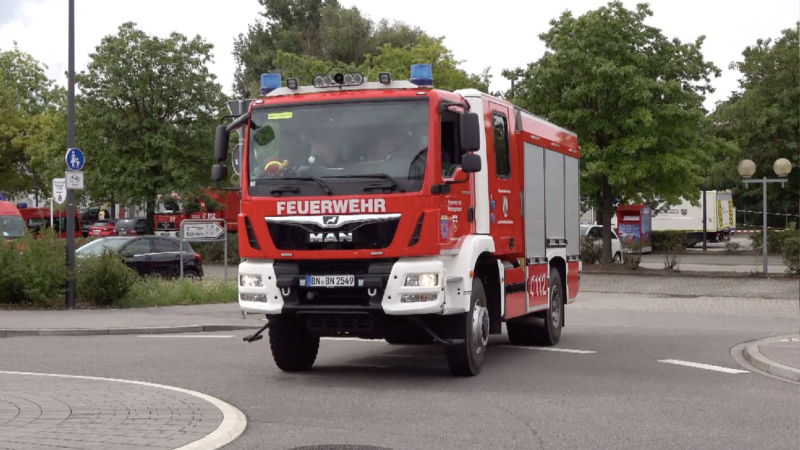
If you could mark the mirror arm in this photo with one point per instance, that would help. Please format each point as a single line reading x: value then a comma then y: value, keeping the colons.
x: 447, y: 103
x: 238, y: 122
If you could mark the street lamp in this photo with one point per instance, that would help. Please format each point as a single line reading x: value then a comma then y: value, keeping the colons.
x: 747, y: 169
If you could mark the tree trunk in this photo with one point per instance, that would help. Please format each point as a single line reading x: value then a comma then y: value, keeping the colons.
x: 151, y: 215
x: 607, y: 212
x: 113, y: 210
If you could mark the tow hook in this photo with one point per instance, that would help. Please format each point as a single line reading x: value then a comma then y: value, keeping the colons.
x: 257, y: 335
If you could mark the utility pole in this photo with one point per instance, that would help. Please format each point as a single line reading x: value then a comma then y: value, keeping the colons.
x: 70, y: 144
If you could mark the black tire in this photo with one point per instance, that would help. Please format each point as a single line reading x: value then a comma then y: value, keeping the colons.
x: 191, y: 275
x: 520, y: 332
x: 293, y: 349
x: 550, y: 332
x: 466, y: 360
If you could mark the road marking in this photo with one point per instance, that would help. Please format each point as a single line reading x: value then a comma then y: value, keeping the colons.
x: 233, y: 420
x: 702, y: 366
x: 181, y: 336
x: 552, y: 349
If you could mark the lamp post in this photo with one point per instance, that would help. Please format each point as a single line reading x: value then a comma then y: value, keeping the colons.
x: 747, y: 169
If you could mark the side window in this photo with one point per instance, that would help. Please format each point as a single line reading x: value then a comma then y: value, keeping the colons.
x: 164, y: 246
x: 138, y: 247
x: 596, y: 233
x: 502, y: 159
x: 449, y: 143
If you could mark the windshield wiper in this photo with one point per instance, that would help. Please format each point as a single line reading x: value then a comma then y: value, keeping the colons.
x: 373, y: 175
x: 321, y: 183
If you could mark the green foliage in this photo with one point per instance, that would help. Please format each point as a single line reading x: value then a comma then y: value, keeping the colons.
x: 633, y: 96
x: 33, y: 270
x: 148, y: 113
x: 591, y: 250
x: 160, y: 292
x: 12, y: 281
x: 213, y: 252
x: 632, y: 255
x: 669, y: 240
x: 791, y: 254
x: 776, y: 239
x: 105, y: 279
x: 762, y: 117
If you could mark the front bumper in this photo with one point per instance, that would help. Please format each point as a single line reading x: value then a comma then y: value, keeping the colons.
x: 379, y: 287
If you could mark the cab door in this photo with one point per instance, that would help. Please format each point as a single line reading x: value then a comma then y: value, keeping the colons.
x: 505, y: 185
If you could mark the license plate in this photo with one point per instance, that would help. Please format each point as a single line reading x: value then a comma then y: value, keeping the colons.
x: 330, y: 280
x: 96, y: 231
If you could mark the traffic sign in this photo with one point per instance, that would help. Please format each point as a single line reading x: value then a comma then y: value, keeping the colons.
x: 207, y: 230
x: 236, y: 158
x: 74, y: 180
x: 75, y: 159
x: 59, y: 190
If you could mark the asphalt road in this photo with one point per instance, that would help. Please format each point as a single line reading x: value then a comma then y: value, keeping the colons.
x: 402, y: 397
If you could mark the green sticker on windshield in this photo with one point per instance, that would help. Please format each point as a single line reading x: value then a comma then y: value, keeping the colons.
x: 283, y: 115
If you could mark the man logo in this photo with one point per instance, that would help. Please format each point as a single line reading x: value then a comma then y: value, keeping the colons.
x: 330, y: 237
x: 330, y: 220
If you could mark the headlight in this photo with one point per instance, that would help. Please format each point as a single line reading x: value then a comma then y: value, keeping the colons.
x: 423, y: 280
x: 250, y: 281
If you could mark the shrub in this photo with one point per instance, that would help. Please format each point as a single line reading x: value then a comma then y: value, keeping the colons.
x: 42, y: 268
x: 775, y: 238
x: 632, y: 255
x: 669, y: 239
x: 160, y: 292
x: 791, y: 254
x: 104, y: 279
x: 591, y: 250
x: 11, y: 279
x: 214, y: 251
x: 732, y: 247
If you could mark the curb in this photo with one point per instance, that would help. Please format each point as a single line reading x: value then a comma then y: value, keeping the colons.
x: 7, y: 333
x: 754, y: 356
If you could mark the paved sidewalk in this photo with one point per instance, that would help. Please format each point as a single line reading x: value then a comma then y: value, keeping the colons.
x: 779, y: 356
x: 743, y: 287
x: 53, y: 412
x: 171, y: 319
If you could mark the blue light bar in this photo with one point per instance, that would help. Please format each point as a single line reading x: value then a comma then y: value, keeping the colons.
x: 270, y: 82
x: 22, y: 205
x: 422, y: 75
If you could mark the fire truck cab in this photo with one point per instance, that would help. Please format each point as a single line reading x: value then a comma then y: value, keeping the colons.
x: 393, y: 210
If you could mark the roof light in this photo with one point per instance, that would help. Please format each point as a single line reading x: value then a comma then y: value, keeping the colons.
x: 291, y: 83
x: 270, y: 82
x: 422, y: 74
x: 385, y: 78
x: 22, y: 205
x: 338, y: 80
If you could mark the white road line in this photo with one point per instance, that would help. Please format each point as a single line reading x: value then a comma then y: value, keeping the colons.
x: 232, y: 425
x: 552, y: 349
x: 215, y: 336
x: 702, y: 366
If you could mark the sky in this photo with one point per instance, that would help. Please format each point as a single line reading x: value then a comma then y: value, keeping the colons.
x: 498, y: 34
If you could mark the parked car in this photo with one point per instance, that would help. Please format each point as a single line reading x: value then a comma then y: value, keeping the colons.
x: 130, y: 226
x: 596, y: 232
x: 89, y: 216
x: 149, y: 255
x: 11, y: 224
x: 103, y: 228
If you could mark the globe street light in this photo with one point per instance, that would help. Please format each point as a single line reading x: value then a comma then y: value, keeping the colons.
x: 747, y: 169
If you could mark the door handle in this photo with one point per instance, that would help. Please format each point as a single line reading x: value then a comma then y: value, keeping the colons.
x: 148, y: 258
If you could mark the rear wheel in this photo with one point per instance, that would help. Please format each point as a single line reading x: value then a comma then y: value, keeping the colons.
x: 293, y: 349
x: 618, y: 258
x: 550, y: 332
x: 466, y: 359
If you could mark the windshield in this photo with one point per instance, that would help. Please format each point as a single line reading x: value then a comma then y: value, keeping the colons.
x: 99, y: 246
x: 12, y: 226
x: 342, y: 140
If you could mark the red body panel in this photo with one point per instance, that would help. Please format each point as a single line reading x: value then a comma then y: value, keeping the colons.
x: 538, y: 286
x: 44, y: 214
x: 573, y: 278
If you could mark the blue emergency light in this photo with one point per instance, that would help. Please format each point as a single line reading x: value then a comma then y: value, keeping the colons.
x: 270, y: 82
x: 22, y: 205
x: 422, y: 74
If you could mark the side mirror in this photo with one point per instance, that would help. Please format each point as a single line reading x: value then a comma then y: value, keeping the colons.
x: 219, y: 173
x: 469, y: 126
x: 221, y: 144
x: 471, y: 163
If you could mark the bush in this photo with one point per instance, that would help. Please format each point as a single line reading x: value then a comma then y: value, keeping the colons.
x: 214, y: 251
x: 791, y: 254
x: 775, y: 238
x: 591, y: 250
x: 161, y: 292
x: 105, y: 279
x: 669, y: 239
x: 632, y: 255
x: 732, y: 247
x: 33, y: 269
x: 11, y: 280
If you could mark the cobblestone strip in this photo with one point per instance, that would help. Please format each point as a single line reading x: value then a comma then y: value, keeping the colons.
x: 743, y: 287
x: 83, y: 413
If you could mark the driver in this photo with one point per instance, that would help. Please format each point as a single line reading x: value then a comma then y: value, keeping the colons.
x: 323, y: 152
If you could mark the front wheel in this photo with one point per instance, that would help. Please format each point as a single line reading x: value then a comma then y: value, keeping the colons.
x: 293, y: 349
x: 466, y: 360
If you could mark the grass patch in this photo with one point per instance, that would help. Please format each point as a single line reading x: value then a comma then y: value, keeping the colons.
x: 160, y: 292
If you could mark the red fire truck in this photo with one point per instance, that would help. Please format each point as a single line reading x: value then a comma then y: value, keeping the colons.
x: 393, y: 210
x: 169, y: 223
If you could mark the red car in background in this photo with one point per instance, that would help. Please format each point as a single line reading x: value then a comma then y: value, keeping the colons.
x: 103, y: 228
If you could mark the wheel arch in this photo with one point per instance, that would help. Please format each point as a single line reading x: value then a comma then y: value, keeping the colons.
x: 487, y: 269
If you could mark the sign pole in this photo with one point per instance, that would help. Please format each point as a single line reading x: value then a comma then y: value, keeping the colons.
x: 71, y: 143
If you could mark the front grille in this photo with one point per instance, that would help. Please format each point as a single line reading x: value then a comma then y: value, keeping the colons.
x: 339, y: 323
x: 374, y: 235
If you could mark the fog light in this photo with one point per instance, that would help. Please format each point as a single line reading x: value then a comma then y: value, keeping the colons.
x: 422, y: 280
x: 250, y: 281
x: 253, y: 297
x: 413, y: 298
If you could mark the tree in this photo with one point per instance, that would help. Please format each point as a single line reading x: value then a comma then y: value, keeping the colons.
x: 633, y: 96
x: 762, y: 116
x: 147, y: 116
x: 30, y: 103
